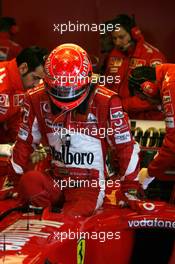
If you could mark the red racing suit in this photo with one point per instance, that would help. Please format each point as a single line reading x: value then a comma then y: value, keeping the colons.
x: 8, y: 48
x: 165, y: 76
x: 120, y: 64
x: 78, y: 146
x: 11, y: 98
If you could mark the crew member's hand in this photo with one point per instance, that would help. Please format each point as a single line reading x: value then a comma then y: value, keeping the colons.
x: 144, y: 178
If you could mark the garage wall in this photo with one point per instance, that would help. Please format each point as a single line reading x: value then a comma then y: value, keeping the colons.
x: 36, y: 19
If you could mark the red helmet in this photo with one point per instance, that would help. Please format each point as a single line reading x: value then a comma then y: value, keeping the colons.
x: 68, y: 74
x: 149, y: 88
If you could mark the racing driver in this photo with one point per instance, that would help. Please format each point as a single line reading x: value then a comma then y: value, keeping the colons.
x: 66, y: 113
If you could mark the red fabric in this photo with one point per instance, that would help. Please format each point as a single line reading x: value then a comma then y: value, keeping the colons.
x: 38, y: 189
x: 8, y: 48
x: 80, y: 201
x: 165, y: 75
x: 121, y: 64
x: 3, y: 166
x: 11, y: 97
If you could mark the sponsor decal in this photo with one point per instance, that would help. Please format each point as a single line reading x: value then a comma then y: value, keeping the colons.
x: 120, y: 125
x: 166, y: 97
x: 116, y: 113
x: 4, y: 100
x: 155, y: 62
x: 115, y: 62
x: 150, y: 223
x: 81, y: 251
x: 25, y: 114
x: 122, y: 137
x: 136, y: 63
x: 91, y: 118
x: 72, y: 158
x: 148, y: 206
x: 148, y: 133
x: 17, y: 234
x: 3, y: 111
x: 169, y: 110
x: 45, y: 107
x: 169, y: 122
x: 167, y: 77
x: 113, y: 70
x: 2, y: 74
x: 118, y: 121
x: 18, y: 99
x: 23, y: 134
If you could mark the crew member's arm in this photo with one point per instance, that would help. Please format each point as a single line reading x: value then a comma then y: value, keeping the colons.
x: 166, y: 156
x: 28, y: 136
x: 126, y: 150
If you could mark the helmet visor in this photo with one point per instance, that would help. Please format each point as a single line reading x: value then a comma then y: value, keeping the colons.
x: 64, y: 93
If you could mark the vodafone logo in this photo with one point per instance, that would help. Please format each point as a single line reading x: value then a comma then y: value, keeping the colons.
x: 149, y: 206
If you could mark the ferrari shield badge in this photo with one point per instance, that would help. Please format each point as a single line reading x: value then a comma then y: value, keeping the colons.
x: 80, y: 251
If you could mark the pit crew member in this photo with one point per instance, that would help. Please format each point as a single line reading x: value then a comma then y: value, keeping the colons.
x: 16, y: 76
x: 130, y: 51
x: 157, y: 85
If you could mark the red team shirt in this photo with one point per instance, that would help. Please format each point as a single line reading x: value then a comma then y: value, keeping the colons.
x: 121, y: 64
x: 165, y: 76
x: 11, y: 99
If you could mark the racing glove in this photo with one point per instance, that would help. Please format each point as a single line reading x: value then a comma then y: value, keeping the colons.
x: 144, y: 178
x: 6, y: 150
x: 38, y: 155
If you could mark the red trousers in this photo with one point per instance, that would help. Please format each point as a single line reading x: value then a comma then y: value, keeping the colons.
x: 42, y: 190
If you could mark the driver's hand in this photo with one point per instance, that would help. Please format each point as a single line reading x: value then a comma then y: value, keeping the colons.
x: 38, y: 155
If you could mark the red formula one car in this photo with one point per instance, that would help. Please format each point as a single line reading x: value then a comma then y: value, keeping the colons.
x: 113, y: 235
